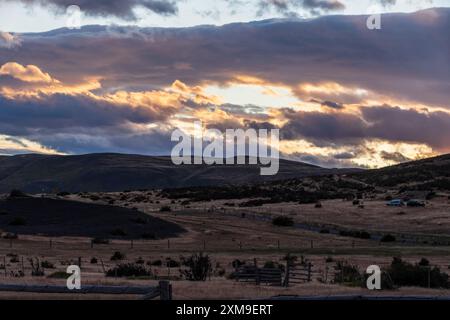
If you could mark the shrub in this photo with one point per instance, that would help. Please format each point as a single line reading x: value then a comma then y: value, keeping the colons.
x: 283, y: 221
x: 156, y: 263
x: 318, y: 205
x: 199, y: 267
x: 355, y: 234
x: 117, y: 256
x: 10, y: 236
x: 237, y: 263
x: 100, y: 241
x: 94, y: 260
x: 407, y: 274
x: 172, y: 263
x: 348, y: 274
x: 58, y: 275
x: 18, y: 221
x: 36, y: 269
x: 140, y: 260
x: 165, y: 209
x: 47, y: 264
x: 388, y: 238
x: 128, y: 270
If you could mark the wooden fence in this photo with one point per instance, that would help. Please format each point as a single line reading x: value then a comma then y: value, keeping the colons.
x: 163, y: 290
x: 298, y: 273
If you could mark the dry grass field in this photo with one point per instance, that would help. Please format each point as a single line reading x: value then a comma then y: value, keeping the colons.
x: 227, y: 234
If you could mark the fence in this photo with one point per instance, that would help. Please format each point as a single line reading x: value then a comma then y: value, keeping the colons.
x: 163, y: 290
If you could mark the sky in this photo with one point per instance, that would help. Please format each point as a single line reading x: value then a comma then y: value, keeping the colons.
x: 342, y: 95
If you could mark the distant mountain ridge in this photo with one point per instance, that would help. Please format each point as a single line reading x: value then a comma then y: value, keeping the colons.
x: 35, y: 173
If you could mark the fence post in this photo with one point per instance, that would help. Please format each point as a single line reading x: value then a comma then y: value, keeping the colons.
x: 51, y: 243
x: 165, y: 290
x: 278, y: 243
x: 168, y: 243
x: 288, y: 270
x: 79, y: 262
x: 309, y: 272
x: 257, y: 276
x: 312, y: 244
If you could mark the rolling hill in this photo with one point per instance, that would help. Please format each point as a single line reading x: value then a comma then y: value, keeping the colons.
x: 35, y: 173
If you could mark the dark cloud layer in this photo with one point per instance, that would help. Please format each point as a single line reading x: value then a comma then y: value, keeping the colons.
x: 118, y: 8
x: 383, y: 122
x: 402, y: 60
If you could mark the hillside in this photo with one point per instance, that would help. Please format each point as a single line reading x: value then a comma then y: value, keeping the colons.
x: 118, y: 172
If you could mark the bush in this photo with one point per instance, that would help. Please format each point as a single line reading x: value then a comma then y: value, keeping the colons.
x: 172, y: 263
x: 10, y: 236
x: 355, y: 234
x: 140, y: 260
x: 47, y: 265
x: 348, y: 274
x: 283, y: 221
x: 117, y: 256
x: 318, y: 205
x: 128, y: 270
x: 94, y: 260
x: 58, y: 275
x: 36, y: 269
x: 388, y: 238
x: 407, y: 274
x: 165, y: 209
x: 100, y: 241
x: 156, y: 263
x: 199, y: 267
x: 237, y: 263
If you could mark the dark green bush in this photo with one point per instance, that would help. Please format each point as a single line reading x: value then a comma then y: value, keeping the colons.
x: 388, y: 238
x: 165, y: 209
x: 199, y: 267
x: 128, y: 270
x: 117, y: 256
x: 283, y: 221
x: 407, y: 274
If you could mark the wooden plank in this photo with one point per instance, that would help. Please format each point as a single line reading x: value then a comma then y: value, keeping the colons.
x: 83, y: 290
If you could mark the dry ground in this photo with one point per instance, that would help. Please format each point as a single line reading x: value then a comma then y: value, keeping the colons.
x: 225, y: 235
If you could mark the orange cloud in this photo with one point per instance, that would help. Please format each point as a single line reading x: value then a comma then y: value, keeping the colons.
x: 29, y: 73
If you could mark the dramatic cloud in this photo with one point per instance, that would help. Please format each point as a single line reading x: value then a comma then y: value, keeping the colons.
x: 330, y: 85
x: 28, y: 73
x: 9, y: 41
x: 384, y: 122
x: 119, y: 8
